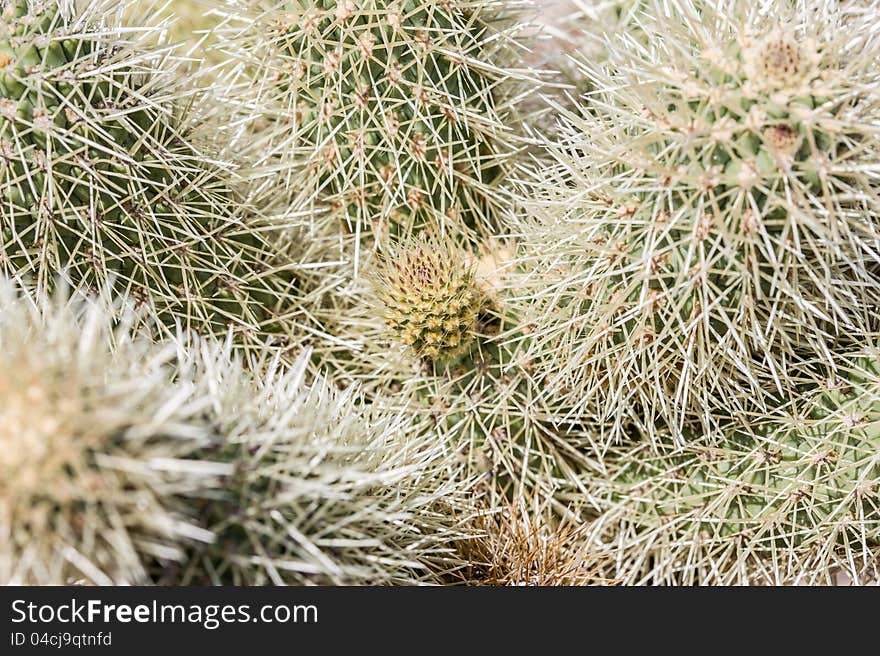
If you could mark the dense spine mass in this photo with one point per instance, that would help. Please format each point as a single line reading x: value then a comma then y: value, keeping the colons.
x: 430, y: 299
x: 325, y: 489
x: 523, y: 543
x: 97, y: 434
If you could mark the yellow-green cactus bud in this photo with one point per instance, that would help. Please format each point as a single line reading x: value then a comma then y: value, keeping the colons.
x: 430, y: 299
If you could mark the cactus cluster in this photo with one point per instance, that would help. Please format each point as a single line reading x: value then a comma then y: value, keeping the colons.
x: 324, y: 292
x: 699, y: 264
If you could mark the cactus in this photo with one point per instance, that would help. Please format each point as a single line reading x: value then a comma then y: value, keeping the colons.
x: 792, y: 497
x: 97, y: 428
x: 712, y: 219
x: 99, y: 181
x: 325, y: 489
x: 398, y: 112
x: 484, y: 398
x: 131, y: 461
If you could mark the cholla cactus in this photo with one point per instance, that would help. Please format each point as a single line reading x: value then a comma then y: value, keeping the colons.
x: 98, y: 179
x: 326, y: 489
x: 713, y: 217
x: 791, y: 498
x: 430, y: 299
x: 399, y: 112
x: 96, y: 424
x: 524, y: 543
